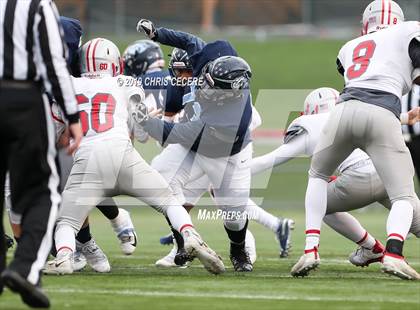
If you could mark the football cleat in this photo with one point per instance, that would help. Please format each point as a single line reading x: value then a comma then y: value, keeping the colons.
x: 250, y: 246
x: 79, y: 261
x: 395, y: 265
x: 167, y: 240
x: 240, y: 258
x: 62, y: 264
x: 124, y: 228
x: 363, y: 257
x: 168, y: 260
x: 284, y: 236
x: 307, y: 262
x: 196, y: 247
x: 128, y: 241
x: 95, y: 257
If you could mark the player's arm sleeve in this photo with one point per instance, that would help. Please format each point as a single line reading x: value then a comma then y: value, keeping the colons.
x: 173, y: 100
x: 183, y: 40
x: 293, y: 147
x: 51, y: 46
x: 414, y: 52
x: 173, y: 133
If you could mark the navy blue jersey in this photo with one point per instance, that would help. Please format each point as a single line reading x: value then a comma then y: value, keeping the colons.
x: 72, y: 35
x: 221, y: 129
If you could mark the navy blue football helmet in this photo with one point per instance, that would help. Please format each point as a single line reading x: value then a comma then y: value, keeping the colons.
x: 179, y: 61
x: 141, y: 56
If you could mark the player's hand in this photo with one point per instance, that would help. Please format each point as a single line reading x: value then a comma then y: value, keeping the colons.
x: 414, y: 116
x: 76, y: 133
x: 139, y: 113
x: 147, y: 27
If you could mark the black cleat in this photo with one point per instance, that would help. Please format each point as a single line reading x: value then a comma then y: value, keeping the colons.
x: 182, y: 257
x: 30, y: 294
x: 240, y: 258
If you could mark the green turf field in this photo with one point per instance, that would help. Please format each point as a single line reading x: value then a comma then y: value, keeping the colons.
x: 135, y: 283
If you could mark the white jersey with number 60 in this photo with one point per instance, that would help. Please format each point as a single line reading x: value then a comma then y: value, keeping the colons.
x: 104, y: 106
x: 380, y: 60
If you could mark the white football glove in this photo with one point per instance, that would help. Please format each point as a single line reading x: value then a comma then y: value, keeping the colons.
x: 139, y: 112
x: 147, y: 27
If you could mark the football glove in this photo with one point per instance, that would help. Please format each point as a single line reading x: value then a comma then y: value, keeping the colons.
x: 139, y: 113
x: 147, y: 27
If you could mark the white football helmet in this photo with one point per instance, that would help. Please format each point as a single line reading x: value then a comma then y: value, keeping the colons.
x: 321, y: 100
x: 100, y: 57
x: 381, y: 14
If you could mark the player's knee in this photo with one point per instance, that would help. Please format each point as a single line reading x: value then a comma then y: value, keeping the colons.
x: 318, y: 175
x: 68, y: 221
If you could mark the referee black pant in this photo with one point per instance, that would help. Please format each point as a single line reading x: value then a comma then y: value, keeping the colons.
x: 414, y: 147
x: 27, y: 139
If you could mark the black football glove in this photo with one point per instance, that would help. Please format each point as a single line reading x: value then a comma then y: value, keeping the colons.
x: 146, y: 26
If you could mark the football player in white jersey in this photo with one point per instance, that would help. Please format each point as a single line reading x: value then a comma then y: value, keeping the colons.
x: 353, y: 187
x: 379, y: 68
x: 106, y: 163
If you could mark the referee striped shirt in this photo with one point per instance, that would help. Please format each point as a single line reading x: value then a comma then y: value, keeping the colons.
x: 411, y: 101
x: 32, y: 49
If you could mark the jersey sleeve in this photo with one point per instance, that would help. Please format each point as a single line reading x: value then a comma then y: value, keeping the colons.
x: 174, y: 99
x: 183, y: 40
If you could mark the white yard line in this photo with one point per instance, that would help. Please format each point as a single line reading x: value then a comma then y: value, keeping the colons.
x: 141, y: 293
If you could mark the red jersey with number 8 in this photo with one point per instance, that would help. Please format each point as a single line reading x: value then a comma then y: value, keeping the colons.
x: 380, y: 60
x: 104, y: 106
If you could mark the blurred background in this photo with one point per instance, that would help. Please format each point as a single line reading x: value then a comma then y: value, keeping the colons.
x: 262, y: 19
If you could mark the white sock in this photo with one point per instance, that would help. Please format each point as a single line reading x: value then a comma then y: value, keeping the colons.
x: 65, y: 238
x: 262, y: 217
x: 348, y: 226
x: 178, y: 217
x: 315, y: 209
x: 122, y: 221
x: 399, y: 220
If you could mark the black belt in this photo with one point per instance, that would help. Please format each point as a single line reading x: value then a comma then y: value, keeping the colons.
x: 20, y: 84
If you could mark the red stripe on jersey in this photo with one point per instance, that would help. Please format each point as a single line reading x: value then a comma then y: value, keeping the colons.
x: 396, y: 235
x: 313, y: 231
x: 93, y: 55
x: 383, y: 12
x: 389, y: 12
x: 87, y: 57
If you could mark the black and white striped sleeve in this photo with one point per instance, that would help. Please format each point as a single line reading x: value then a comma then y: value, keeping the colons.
x: 56, y: 76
